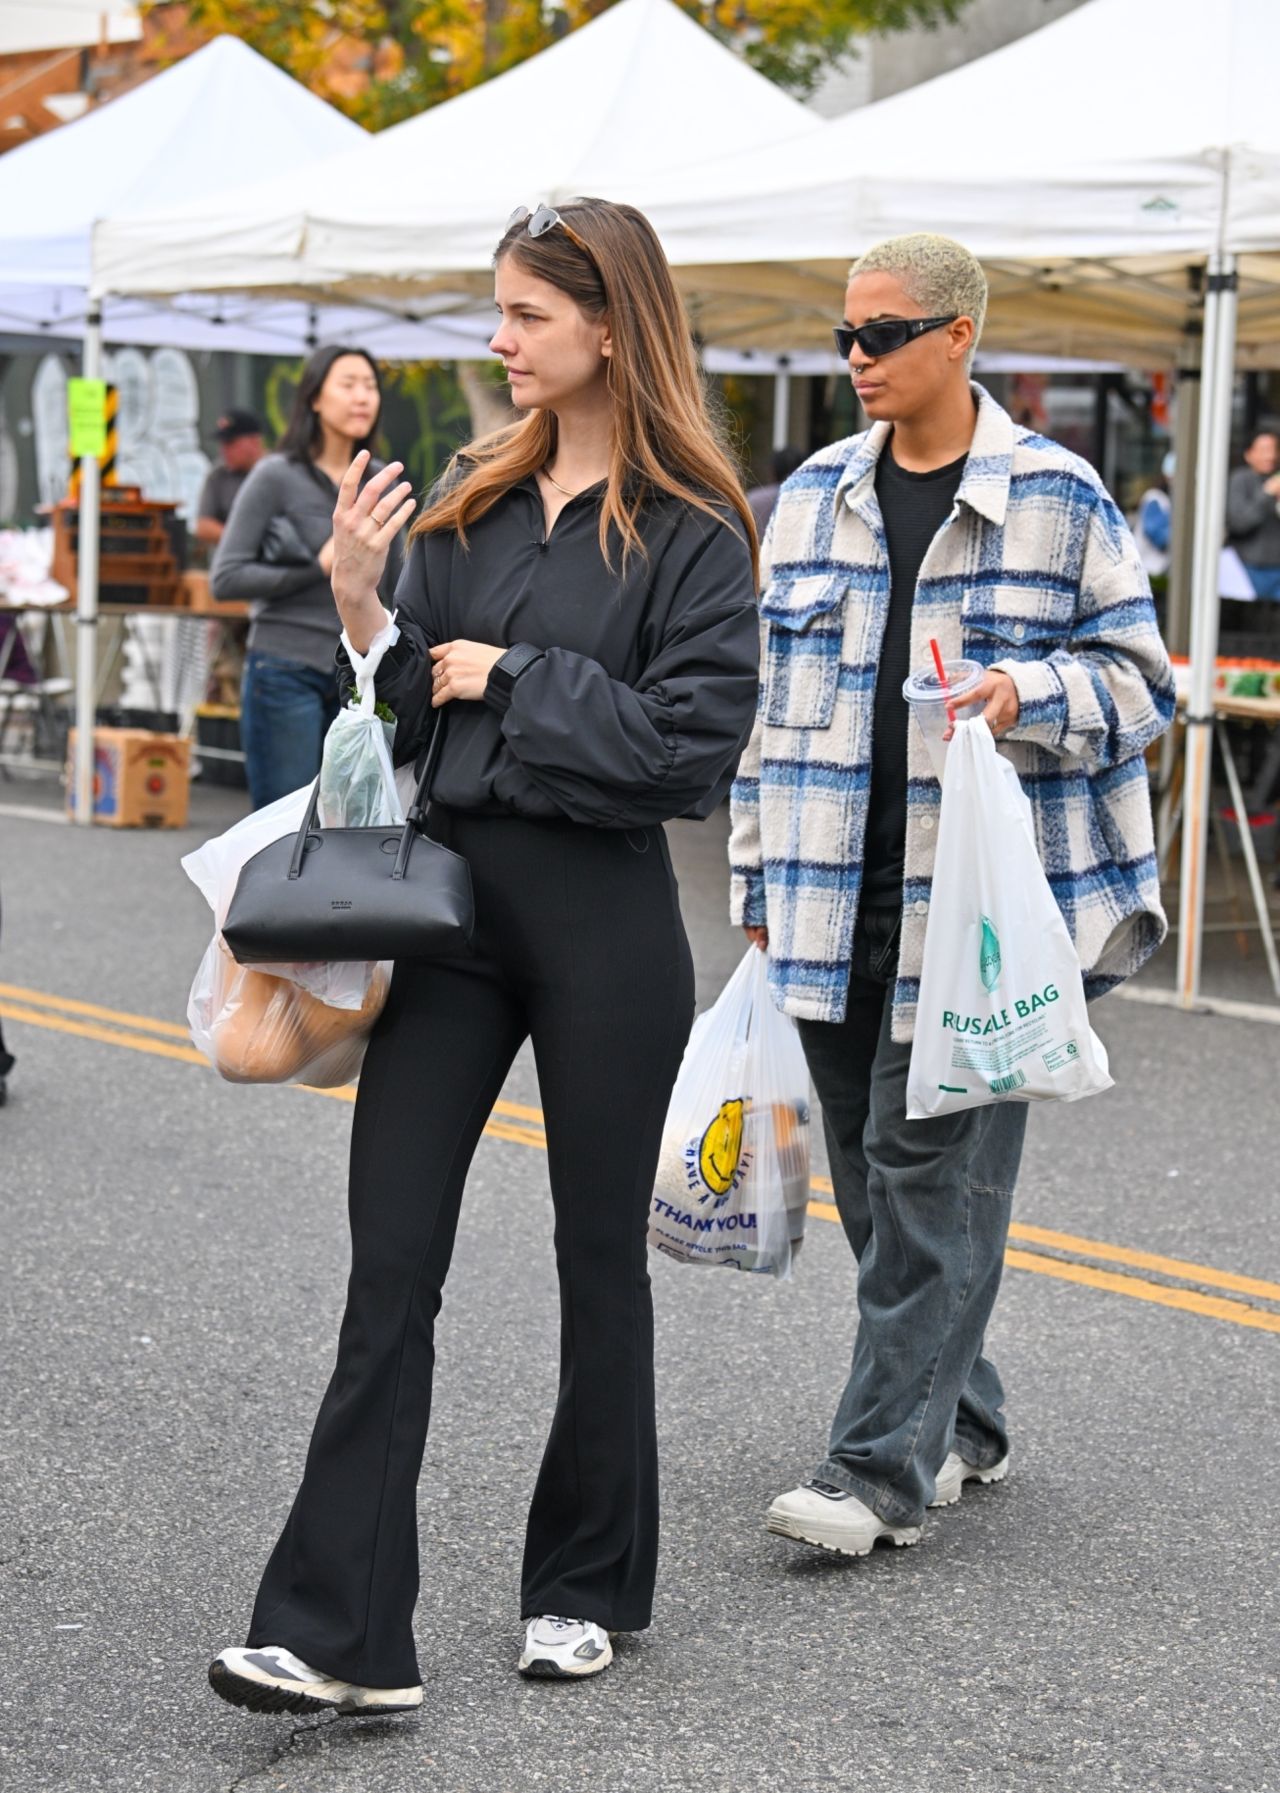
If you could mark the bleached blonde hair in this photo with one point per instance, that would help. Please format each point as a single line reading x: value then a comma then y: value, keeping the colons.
x: 937, y: 272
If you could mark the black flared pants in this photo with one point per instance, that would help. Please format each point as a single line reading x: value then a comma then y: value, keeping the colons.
x: 579, y: 945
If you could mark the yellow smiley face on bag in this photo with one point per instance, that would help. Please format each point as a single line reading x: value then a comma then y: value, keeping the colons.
x: 722, y: 1147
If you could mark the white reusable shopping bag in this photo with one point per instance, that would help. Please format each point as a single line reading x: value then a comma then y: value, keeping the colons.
x: 1001, y: 1014
x: 733, y: 1177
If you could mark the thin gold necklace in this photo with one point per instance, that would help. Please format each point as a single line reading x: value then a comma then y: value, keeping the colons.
x: 559, y: 488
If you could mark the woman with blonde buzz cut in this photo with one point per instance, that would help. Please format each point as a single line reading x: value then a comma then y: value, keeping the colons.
x: 943, y: 520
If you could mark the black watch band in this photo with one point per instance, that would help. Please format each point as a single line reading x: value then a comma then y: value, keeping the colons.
x: 504, y: 673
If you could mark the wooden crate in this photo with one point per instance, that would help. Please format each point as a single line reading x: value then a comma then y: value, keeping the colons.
x: 136, y: 559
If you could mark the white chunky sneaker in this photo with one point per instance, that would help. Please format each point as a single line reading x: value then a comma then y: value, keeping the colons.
x: 559, y: 1649
x: 955, y: 1472
x: 833, y: 1519
x: 273, y: 1679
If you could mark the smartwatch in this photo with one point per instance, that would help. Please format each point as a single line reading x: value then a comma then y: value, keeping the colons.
x: 504, y: 673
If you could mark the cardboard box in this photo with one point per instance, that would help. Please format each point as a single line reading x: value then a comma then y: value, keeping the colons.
x: 140, y: 780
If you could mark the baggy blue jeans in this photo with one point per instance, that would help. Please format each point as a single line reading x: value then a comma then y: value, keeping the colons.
x: 285, y: 712
x: 925, y: 1206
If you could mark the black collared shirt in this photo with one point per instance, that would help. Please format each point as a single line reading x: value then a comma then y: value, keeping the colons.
x: 645, y: 693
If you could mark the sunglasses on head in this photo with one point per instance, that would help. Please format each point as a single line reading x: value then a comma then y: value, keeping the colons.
x: 884, y: 336
x: 545, y: 218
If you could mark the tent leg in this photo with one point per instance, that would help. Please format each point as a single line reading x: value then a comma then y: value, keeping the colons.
x: 1213, y: 449
x: 1186, y: 427
x: 782, y: 404
x: 87, y: 590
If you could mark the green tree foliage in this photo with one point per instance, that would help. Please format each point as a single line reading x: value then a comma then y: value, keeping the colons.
x: 385, y: 60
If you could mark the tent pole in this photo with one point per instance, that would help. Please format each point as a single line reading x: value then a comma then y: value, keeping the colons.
x: 782, y: 403
x: 1213, y: 449
x: 1186, y: 426
x: 87, y: 589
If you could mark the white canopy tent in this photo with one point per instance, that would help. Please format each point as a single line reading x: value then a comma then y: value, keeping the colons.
x: 217, y: 117
x: 640, y: 92
x: 1088, y: 164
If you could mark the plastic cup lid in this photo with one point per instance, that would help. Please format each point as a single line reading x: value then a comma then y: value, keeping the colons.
x: 923, y: 686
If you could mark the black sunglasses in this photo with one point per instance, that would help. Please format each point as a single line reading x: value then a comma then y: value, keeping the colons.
x: 883, y: 337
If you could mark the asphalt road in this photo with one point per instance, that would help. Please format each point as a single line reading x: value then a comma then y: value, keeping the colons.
x: 171, y: 1276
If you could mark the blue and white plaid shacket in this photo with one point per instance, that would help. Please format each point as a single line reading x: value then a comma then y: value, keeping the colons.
x: 1034, y: 572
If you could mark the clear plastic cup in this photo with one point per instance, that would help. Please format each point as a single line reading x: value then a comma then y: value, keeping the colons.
x: 923, y: 691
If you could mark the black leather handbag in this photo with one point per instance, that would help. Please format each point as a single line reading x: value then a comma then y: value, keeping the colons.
x: 354, y: 893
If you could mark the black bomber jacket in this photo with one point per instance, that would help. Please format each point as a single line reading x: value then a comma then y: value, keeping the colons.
x: 643, y: 691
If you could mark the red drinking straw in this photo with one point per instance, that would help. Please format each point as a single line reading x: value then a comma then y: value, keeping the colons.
x: 943, y: 680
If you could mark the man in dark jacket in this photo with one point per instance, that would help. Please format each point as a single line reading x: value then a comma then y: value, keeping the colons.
x: 1253, y: 511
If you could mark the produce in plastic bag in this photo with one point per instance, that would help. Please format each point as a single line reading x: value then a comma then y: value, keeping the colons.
x: 733, y: 1175
x: 357, y: 790
x: 256, y: 1028
x: 1001, y: 1014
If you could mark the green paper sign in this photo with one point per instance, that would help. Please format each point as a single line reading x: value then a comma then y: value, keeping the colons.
x: 87, y: 418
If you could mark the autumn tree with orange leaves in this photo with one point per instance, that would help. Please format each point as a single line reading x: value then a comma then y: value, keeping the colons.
x: 384, y: 60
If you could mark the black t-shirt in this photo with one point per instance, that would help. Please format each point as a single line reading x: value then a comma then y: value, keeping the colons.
x: 914, y: 507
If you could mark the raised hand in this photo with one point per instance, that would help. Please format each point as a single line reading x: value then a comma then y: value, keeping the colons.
x: 365, y: 524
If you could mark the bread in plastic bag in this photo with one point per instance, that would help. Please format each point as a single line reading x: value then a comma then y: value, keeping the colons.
x: 257, y: 1028
x: 733, y: 1173
x: 1001, y: 1015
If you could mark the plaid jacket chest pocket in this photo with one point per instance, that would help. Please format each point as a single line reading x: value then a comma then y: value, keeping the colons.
x: 804, y: 619
x: 1022, y: 628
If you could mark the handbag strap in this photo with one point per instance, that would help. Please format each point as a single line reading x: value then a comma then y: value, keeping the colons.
x: 414, y: 822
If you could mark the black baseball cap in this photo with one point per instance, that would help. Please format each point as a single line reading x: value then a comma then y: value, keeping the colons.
x: 232, y: 424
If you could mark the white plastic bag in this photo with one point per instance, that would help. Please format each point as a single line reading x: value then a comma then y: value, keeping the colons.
x: 303, y: 1022
x: 1001, y: 1014
x: 257, y: 1028
x: 357, y: 778
x: 733, y: 1176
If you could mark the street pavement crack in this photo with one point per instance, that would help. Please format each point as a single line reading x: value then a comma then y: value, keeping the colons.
x: 283, y: 1749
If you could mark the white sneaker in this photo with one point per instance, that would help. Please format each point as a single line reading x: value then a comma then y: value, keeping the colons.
x: 555, y: 1649
x: 955, y: 1472
x: 833, y: 1519
x: 273, y: 1679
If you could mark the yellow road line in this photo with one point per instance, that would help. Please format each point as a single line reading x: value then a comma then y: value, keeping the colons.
x: 135, y: 1030
x: 169, y: 1029
x: 1148, y: 1260
x: 15, y: 993
x: 106, y: 1036
x: 1217, y: 1307
x: 1118, y: 1254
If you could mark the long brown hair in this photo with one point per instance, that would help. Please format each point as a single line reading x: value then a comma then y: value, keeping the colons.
x: 664, y: 440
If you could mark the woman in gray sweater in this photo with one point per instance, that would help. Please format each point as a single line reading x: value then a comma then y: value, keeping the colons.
x: 277, y: 552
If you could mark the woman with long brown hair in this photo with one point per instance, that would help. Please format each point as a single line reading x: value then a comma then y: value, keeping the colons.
x: 578, y: 609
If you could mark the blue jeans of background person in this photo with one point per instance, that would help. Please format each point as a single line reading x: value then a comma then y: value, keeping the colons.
x: 926, y: 1206
x: 285, y: 712
x: 1264, y: 580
